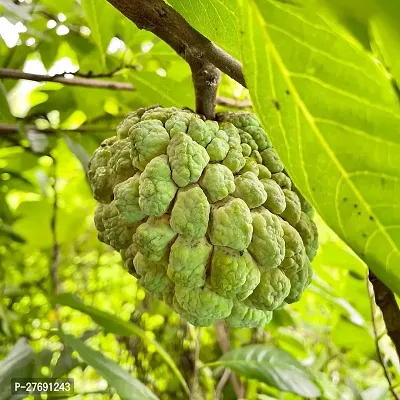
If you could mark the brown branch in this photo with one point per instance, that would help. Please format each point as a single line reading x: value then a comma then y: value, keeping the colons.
x: 373, y: 296
x: 156, y: 16
x: 224, y: 344
x: 200, y: 53
x: 8, y: 73
x: 6, y: 129
x: 386, y: 301
x: 205, y: 78
x: 90, y: 74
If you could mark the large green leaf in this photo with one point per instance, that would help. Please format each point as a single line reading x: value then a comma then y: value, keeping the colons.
x: 18, y: 364
x: 215, y: 19
x: 128, y: 387
x: 271, y: 365
x: 118, y: 326
x: 334, y: 119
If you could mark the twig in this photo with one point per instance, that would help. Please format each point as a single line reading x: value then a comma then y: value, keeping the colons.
x: 92, y: 75
x: 221, y: 383
x: 15, y: 128
x: 386, y: 301
x: 8, y: 73
x: 195, y: 379
x: 55, y: 255
x: 161, y: 19
x: 205, y: 78
x: 224, y: 344
x: 372, y: 294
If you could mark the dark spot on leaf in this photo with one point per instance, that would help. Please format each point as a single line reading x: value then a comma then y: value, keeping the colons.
x: 364, y: 235
x: 383, y: 181
x: 359, y: 213
x: 345, y: 199
x: 355, y: 275
x: 276, y: 104
x: 371, y: 218
x: 241, y: 252
x: 313, y: 189
x: 287, y: 92
x: 355, y: 205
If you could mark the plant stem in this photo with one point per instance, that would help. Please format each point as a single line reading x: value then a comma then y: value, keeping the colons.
x: 224, y: 344
x: 161, y: 19
x: 373, y: 295
x: 386, y: 301
x: 86, y: 82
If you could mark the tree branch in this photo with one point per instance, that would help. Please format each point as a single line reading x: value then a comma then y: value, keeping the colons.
x: 6, y: 129
x: 203, y: 56
x: 161, y: 19
x: 101, y: 84
x: 205, y: 78
x: 386, y: 301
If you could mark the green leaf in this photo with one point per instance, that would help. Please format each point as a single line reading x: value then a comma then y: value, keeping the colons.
x: 333, y: 116
x: 352, y: 337
x: 215, y: 19
x: 7, y: 231
x: 79, y: 151
x: 18, y: 364
x: 118, y: 326
x: 100, y: 16
x: 386, y: 35
x: 5, y: 113
x: 66, y: 362
x: 128, y: 387
x: 272, y: 366
x: 162, y: 90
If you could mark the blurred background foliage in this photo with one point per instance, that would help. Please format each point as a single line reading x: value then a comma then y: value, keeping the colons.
x: 48, y: 242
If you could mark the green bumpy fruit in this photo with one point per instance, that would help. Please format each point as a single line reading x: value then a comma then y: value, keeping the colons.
x: 204, y: 215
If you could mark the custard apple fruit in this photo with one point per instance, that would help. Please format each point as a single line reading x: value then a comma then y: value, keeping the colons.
x: 204, y: 214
